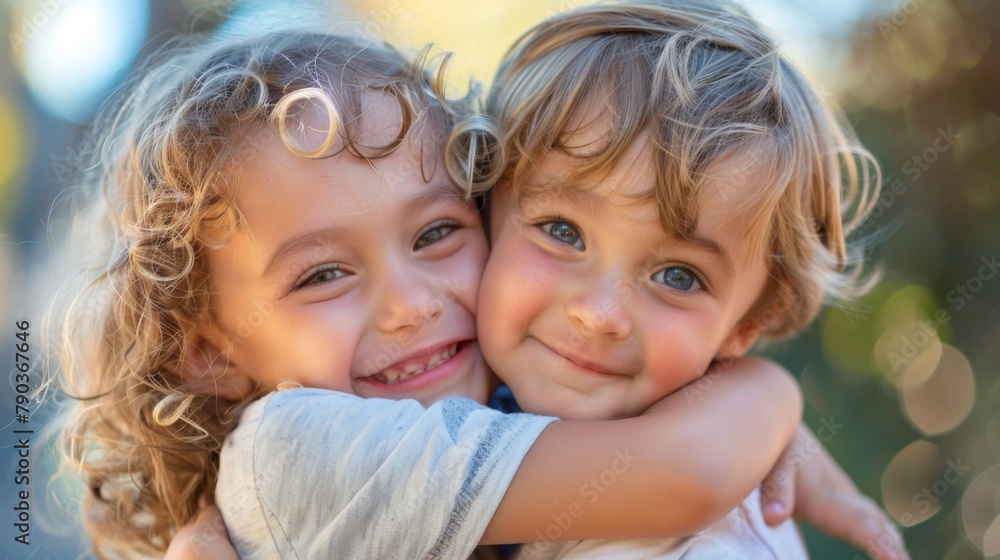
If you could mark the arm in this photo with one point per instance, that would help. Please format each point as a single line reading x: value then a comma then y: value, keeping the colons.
x: 675, y: 470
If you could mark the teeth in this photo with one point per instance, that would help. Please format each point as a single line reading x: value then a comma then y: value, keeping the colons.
x: 413, y: 367
x: 395, y: 374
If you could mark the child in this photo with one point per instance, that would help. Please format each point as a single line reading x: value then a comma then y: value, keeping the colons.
x: 673, y: 192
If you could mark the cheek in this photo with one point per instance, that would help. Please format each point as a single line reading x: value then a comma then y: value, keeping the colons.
x: 465, y: 274
x: 310, y: 344
x: 678, y: 350
x: 519, y: 285
x: 338, y: 323
x: 241, y: 314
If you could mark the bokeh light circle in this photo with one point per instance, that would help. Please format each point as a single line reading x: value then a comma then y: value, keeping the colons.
x: 992, y: 435
x: 991, y: 540
x: 71, y: 53
x: 945, y: 399
x: 909, y: 484
x: 909, y: 373
x: 981, y: 510
x: 13, y: 140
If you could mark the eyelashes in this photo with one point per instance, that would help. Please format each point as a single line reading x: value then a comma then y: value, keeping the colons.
x: 321, y: 275
x: 435, y: 232
x: 563, y: 231
x: 681, y: 278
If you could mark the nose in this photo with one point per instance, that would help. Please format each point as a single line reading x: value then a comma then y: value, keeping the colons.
x: 598, y: 309
x: 406, y: 298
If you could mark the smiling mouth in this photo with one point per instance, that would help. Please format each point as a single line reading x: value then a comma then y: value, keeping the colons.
x: 584, y: 364
x: 412, y: 368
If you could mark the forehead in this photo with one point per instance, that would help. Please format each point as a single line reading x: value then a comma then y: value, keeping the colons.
x: 291, y: 209
x: 366, y: 124
x: 580, y: 163
x: 371, y: 128
x: 276, y: 191
x: 273, y: 174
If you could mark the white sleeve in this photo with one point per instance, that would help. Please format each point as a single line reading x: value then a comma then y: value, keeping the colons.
x: 309, y: 473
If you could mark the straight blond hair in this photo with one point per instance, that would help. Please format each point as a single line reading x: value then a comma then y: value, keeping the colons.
x: 709, y: 93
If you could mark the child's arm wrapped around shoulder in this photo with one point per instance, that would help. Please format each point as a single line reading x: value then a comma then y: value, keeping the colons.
x: 672, y: 471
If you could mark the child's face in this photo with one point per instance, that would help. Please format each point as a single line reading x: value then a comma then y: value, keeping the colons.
x: 353, y: 276
x: 589, y: 310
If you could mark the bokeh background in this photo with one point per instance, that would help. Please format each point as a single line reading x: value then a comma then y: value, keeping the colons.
x: 905, y: 386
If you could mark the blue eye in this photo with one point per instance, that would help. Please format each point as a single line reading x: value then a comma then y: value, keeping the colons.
x: 679, y: 278
x: 564, y: 232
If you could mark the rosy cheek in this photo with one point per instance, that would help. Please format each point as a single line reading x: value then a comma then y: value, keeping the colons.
x: 681, y: 348
x: 461, y: 274
x: 469, y: 285
x: 531, y: 276
x: 545, y: 275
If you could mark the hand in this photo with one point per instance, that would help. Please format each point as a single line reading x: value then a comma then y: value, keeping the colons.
x: 204, y: 538
x: 824, y: 496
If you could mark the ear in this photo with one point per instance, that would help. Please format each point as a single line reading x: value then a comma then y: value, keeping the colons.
x: 208, y: 370
x: 742, y: 338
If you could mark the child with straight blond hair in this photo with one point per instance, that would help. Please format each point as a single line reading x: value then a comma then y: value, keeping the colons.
x: 674, y: 190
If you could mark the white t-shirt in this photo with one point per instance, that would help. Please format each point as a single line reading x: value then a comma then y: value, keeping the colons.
x: 741, y: 535
x: 310, y: 473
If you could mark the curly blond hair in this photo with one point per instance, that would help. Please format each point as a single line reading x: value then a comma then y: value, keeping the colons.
x: 707, y: 91
x: 146, y: 444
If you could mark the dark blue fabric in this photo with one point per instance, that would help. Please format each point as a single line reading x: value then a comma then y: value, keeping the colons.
x: 503, y: 400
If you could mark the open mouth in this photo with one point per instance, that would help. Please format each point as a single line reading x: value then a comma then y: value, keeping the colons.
x: 414, y: 367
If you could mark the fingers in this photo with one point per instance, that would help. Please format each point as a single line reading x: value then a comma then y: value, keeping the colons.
x: 860, y: 522
x: 777, y: 497
x: 777, y: 494
x: 880, y: 536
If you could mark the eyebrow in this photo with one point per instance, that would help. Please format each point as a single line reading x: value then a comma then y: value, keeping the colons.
x: 440, y: 193
x: 298, y: 244
x: 714, y: 251
x: 581, y: 199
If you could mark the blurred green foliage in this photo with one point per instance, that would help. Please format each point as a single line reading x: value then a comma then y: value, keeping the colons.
x: 922, y: 90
